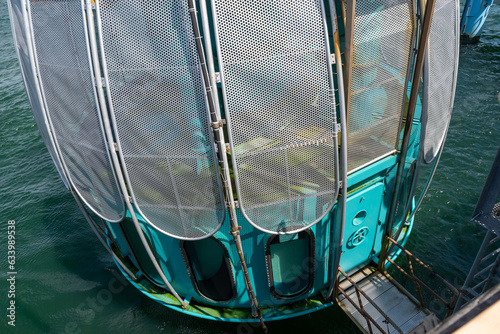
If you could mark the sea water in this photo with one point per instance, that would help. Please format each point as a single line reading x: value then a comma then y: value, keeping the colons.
x: 65, y: 281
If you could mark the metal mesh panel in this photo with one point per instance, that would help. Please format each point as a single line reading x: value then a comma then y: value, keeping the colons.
x: 19, y: 31
x: 281, y: 117
x: 442, y: 66
x: 383, y: 33
x: 61, y: 50
x: 157, y: 95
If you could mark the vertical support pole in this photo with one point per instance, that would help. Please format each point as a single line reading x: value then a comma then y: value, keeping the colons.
x: 417, y: 73
x: 337, y: 250
x: 221, y: 153
x: 342, y: 8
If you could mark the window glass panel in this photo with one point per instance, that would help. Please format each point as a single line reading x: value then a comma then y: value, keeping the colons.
x: 209, y: 268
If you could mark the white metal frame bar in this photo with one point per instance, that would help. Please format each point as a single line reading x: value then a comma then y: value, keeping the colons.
x: 337, y: 239
x: 71, y: 182
x: 220, y: 142
x: 119, y: 152
x: 114, y: 156
x: 29, y: 43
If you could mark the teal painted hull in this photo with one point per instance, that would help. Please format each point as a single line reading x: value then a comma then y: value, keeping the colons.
x: 312, y: 178
x: 369, y: 191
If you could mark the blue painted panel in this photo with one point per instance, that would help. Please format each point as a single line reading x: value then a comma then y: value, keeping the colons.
x: 361, y: 226
x: 473, y: 18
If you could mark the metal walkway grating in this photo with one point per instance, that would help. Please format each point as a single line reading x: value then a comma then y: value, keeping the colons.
x: 401, y: 308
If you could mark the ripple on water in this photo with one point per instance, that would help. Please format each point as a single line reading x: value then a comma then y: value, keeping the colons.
x: 63, y: 264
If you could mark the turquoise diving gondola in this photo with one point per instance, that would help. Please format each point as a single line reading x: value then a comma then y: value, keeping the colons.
x: 231, y: 155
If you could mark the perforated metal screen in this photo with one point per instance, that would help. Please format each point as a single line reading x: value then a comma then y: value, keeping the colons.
x: 158, y: 102
x: 440, y: 81
x: 383, y: 34
x: 280, y: 114
x: 66, y: 80
x: 20, y: 29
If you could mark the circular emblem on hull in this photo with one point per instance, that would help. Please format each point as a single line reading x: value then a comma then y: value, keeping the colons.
x: 358, y: 237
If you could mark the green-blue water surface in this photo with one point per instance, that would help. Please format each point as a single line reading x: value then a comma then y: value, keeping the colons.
x: 67, y: 283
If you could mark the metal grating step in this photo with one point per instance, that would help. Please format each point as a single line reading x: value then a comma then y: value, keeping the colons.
x: 402, y: 309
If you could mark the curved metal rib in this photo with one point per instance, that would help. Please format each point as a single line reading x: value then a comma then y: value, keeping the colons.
x: 115, y: 159
x: 67, y: 87
x: 276, y: 79
x: 24, y: 48
x: 159, y: 116
x: 338, y: 231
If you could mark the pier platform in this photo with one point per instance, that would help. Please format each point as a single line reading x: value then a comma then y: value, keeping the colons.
x: 479, y: 316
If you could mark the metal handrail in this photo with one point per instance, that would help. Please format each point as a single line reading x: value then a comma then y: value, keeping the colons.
x: 361, y: 309
x: 221, y: 152
x: 419, y: 283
